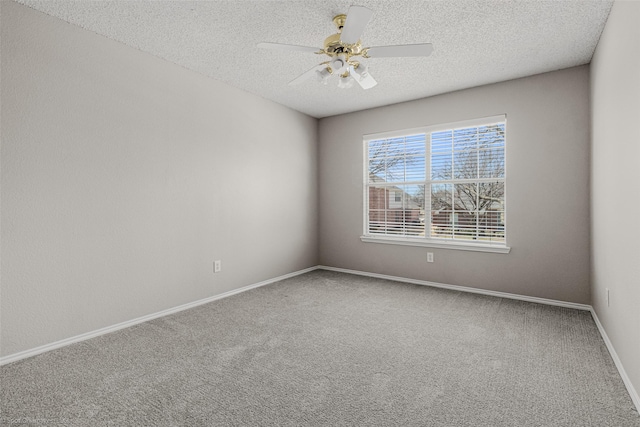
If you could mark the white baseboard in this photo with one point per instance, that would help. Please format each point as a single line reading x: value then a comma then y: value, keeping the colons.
x: 82, y: 337
x: 625, y: 378
x: 463, y: 289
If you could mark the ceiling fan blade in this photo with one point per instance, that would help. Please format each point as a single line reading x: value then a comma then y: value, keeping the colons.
x: 357, y: 19
x: 423, y: 49
x: 292, y: 47
x: 307, y: 74
x: 364, y: 80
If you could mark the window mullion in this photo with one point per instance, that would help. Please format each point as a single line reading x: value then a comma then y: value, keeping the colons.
x: 477, y: 211
x: 427, y: 186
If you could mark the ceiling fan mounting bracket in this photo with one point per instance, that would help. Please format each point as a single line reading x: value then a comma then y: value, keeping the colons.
x: 339, y: 21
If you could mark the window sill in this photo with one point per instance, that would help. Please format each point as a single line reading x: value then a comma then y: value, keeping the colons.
x: 458, y: 246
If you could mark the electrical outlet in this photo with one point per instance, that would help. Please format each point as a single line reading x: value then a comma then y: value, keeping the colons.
x: 429, y: 256
x: 217, y: 266
x: 608, y: 303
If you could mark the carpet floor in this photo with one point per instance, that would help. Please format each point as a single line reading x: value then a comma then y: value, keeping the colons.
x: 332, y: 349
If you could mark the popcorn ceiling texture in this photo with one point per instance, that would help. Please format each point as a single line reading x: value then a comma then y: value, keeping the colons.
x: 475, y: 42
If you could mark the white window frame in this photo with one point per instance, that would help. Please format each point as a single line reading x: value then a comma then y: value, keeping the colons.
x: 495, y: 247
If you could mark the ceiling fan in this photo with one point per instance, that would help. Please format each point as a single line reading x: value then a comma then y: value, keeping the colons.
x: 343, y: 46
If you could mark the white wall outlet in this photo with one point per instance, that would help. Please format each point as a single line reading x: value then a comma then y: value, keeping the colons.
x: 429, y: 256
x: 608, y: 304
x: 217, y: 266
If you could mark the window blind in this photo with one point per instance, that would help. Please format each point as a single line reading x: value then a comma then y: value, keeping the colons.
x: 441, y: 184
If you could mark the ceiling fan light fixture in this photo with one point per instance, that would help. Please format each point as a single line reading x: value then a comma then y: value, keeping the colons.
x: 339, y: 64
x: 361, y: 70
x: 345, y: 82
x: 323, y: 75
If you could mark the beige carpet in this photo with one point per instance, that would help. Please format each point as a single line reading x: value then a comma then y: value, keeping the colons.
x: 331, y: 349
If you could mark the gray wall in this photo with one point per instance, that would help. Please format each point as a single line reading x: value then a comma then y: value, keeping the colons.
x: 125, y: 176
x: 615, y: 183
x: 547, y: 188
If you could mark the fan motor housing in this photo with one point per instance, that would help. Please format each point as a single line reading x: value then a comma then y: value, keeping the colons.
x: 333, y: 47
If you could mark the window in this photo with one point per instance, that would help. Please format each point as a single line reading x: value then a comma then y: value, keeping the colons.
x: 440, y: 186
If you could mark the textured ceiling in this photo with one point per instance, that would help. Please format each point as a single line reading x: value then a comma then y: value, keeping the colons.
x: 475, y: 42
